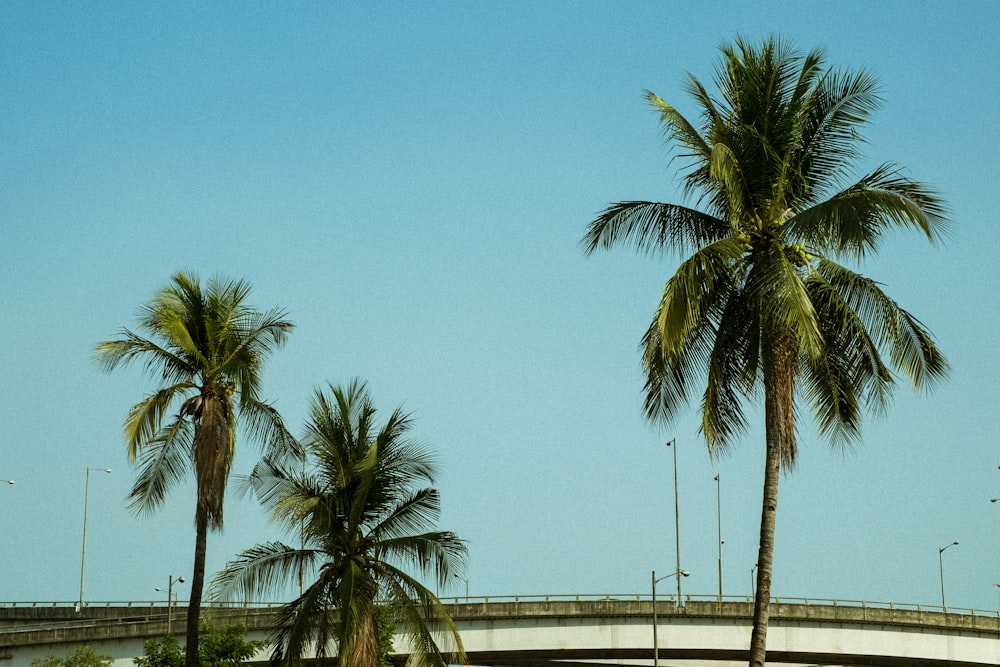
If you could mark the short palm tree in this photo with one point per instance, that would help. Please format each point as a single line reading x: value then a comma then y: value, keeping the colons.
x: 207, y: 347
x: 365, y: 518
x: 760, y: 306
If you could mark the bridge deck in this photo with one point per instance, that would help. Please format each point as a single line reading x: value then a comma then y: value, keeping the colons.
x: 536, y: 632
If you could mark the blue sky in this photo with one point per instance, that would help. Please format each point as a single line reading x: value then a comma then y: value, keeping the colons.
x: 411, y: 181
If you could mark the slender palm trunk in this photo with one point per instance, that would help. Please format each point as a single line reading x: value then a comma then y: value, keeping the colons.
x: 779, y: 380
x: 765, y: 555
x: 364, y: 649
x: 197, y: 583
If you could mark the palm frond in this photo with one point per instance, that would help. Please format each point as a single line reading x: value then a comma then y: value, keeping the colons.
x: 777, y: 289
x: 911, y: 348
x: 262, y: 570
x: 678, y: 340
x: 830, y: 139
x: 157, y: 360
x: 162, y: 462
x: 424, y: 620
x: 146, y: 417
x: 733, y: 373
x: 854, y: 221
x: 265, y: 425
x: 652, y: 228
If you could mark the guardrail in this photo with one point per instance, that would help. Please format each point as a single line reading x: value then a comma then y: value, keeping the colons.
x: 478, y: 599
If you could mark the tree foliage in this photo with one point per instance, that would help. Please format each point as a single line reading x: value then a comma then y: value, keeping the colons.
x: 761, y: 306
x: 365, y: 517
x: 81, y: 656
x: 226, y: 647
x: 206, y: 347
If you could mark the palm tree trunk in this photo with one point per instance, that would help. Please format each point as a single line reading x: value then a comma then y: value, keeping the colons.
x: 779, y: 417
x: 364, y: 648
x: 765, y: 555
x: 197, y: 583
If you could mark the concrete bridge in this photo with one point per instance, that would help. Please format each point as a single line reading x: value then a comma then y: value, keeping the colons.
x: 575, y: 631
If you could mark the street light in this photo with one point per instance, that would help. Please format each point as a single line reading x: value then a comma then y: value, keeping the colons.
x: 718, y: 505
x: 9, y: 481
x: 170, y: 600
x: 941, y: 568
x: 83, y: 550
x: 753, y: 582
x: 677, y: 523
x: 656, y: 642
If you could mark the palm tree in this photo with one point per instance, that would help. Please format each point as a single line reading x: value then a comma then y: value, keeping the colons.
x: 761, y: 305
x: 207, y: 347
x: 365, y: 518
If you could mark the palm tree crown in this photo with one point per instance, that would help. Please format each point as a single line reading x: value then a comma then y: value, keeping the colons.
x: 760, y: 305
x: 364, y: 518
x: 766, y: 163
x: 207, y: 347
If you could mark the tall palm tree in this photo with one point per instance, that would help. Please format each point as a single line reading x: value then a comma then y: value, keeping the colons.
x: 366, y: 520
x: 761, y: 306
x: 207, y: 347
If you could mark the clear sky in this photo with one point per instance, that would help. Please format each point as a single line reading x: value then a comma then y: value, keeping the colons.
x: 411, y: 181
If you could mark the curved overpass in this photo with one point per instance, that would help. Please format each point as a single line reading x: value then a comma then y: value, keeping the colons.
x: 578, y: 632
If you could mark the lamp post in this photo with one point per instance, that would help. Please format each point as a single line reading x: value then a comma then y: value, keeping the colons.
x: 753, y: 582
x: 718, y: 506
x: 656, y: 642
x: 83, y: 550
x: 170, y: 600
x: 941, y: 568
x: 677, y: 525
x: 9, y: 481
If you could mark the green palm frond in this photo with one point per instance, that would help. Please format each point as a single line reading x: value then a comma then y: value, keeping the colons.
x: 411, y: 514
x: 162, y: 463
x: 265, y: 425
x: 854, y: 221
x: 144, y: 420
x: 840, y: 105
x: 157, y: 360
x: 777, y: 290
x: 733, y: 373
x: 260, y: 571
x: 911, y: 348
x: 679, y: 340
x: 308, y: 618
x: 693, y: 290
x: 424, y: 620
x: 652, y: 228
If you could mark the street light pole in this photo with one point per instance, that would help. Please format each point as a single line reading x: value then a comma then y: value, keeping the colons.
x: 656, y: 641
x: 83, y: 550
x: 941, y: 568
x: 677, y: 525
x: 170, y: 600
x: 718, y: 505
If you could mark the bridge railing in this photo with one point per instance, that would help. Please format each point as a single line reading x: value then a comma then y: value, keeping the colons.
x: 161, y: 605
